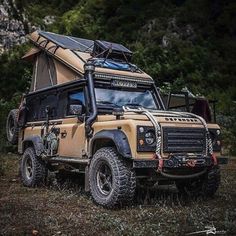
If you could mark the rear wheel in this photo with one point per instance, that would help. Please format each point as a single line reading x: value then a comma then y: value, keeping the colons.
x: 191, y: 188
x: 33, y: 170
x: 111, y: 180
x: 206, y: 185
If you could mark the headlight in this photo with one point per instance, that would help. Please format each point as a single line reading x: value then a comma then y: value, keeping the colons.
x: 150, y: 138
x: 146, y: 139
x: 215, y: 135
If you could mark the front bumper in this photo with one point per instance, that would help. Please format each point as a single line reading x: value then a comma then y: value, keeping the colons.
x: 179, y: 161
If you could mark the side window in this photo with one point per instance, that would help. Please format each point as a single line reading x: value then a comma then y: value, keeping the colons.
x: 37, y: 107
x: 51, y: 102
x: 76, y: 98
x: 33, y: 104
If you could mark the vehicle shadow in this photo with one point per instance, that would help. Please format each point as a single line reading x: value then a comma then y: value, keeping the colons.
x: 164, y: 195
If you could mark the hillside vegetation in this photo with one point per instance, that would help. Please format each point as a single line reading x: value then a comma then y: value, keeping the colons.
x: 181, y: 42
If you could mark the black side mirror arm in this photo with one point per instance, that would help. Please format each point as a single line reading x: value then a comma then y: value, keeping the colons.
x: 81, y: 118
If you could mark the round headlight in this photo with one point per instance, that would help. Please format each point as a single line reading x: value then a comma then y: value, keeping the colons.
x: 150, y: 138
x: 141, y: 129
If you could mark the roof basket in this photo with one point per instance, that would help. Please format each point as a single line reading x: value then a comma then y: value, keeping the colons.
x: 114, y: 51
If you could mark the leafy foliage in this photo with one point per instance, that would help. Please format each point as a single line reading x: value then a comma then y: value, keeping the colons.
x: 15, y: 73
x: 15, y: 78
x: 182, y: 42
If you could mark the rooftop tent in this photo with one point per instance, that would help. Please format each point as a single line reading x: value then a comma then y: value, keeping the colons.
x: 60, y: 59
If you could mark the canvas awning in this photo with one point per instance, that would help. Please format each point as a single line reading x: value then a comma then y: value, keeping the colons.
x: 30, y: 55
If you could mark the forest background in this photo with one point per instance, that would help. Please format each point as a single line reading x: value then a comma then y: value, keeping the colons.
x: 180, y: 43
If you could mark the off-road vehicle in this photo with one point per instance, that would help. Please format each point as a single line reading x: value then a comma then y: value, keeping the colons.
x: 89, y: 110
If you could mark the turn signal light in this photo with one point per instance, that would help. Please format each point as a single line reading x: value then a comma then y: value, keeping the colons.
x: 141, y: 142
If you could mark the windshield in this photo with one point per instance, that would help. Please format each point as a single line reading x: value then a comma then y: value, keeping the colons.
x: 117, y: 98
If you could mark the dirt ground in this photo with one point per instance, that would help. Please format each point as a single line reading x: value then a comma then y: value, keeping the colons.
x: 64, y: 209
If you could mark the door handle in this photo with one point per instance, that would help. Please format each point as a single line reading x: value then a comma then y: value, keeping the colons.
x: 63, y: 134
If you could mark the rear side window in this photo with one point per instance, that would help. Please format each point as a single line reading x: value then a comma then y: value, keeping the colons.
x: 48, y: 101
x: 37, y: 107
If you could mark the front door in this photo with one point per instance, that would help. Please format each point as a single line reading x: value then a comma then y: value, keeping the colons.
x: 72, y: 133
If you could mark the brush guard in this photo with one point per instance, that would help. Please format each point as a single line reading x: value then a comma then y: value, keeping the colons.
x: 184, y: 160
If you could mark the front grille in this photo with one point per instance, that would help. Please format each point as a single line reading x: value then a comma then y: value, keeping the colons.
x: 180, y: 140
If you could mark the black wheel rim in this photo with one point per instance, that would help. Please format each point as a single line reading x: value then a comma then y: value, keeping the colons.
x: 28, y: 167
x: 104, y: 179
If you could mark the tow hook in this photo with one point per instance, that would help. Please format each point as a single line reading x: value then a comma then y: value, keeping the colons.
x: 160, y: 162
x: 191, y: 163
x: 213, y: 156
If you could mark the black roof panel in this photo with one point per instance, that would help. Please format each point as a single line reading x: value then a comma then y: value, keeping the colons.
x: 69, y: 41
x: 83, y: 45
x: 113, y: 46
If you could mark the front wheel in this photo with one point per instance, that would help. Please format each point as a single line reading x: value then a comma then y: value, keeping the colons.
x: 111, y: 180
x: 205, y: 185
x: 33, y: 170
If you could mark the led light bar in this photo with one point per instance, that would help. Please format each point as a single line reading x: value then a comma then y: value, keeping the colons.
x: 124, y: 78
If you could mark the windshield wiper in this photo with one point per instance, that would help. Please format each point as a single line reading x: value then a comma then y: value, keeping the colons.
x: 133, y: 105
x: 106, y: 103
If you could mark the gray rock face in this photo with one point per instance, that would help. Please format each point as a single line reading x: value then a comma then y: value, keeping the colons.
x: 12, y: 31
x: 48, y: 20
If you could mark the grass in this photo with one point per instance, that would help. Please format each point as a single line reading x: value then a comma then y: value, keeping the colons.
x: 66, y: 210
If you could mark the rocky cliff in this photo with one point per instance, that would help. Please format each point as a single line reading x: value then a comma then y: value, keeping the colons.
x: 14, y: 25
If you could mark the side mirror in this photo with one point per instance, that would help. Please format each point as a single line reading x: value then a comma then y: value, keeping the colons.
x: 75, y: 109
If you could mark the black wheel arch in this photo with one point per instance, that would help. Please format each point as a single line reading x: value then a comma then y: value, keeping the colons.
x: 36, y: 142
x: 112, y: 137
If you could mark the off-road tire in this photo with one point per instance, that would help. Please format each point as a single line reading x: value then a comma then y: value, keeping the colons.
x: 38, y: 173
x: 212, y: 182
x: 191, y: 187
x: 123, y: 178
x: 206, y: 185
x: 12, y: 128
x: 131, y: 189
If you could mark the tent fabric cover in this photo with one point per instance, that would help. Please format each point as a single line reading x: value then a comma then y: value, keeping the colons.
x: 44, y: 73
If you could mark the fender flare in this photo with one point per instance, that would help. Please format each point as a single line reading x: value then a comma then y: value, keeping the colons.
x: 37, y: 142
x: 118, y: 137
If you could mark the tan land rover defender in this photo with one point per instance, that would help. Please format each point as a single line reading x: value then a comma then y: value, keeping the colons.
x: 91, y: 111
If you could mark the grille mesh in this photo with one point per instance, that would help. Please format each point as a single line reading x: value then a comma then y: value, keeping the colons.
x: 179, y: 140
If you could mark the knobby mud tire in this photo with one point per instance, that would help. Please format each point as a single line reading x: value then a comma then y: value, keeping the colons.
x: 123, y: 178
x: 33, y: 170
